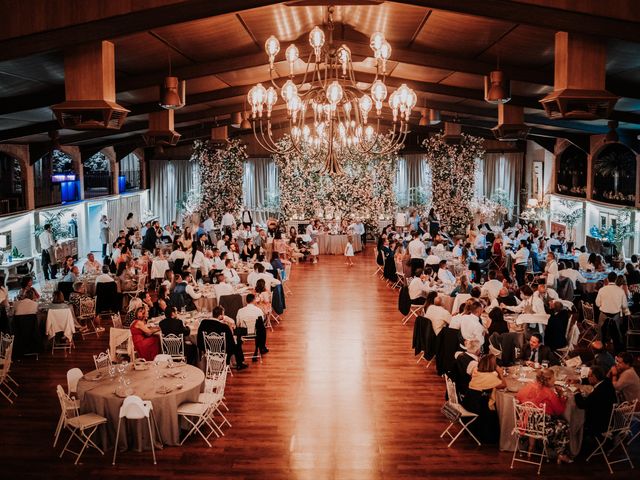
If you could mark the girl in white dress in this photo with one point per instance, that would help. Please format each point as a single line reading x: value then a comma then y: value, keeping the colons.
x: 348, y: 253
x: 314, y: 251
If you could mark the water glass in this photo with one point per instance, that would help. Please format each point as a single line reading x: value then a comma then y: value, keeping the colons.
x: 545, y: 364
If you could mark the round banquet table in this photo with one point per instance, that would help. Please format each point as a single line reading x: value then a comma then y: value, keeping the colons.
x: 504, y: 407
x: 335, y: 244
x: 99, y: 396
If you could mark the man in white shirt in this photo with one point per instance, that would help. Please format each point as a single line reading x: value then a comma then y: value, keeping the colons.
x: 91, y: 266
x: 228, y: 223
x: 27, y: 305
x: 574, y: 275
x: 209, y: 227
x: 360, y: 230
x: 178, y: 253
x: 444, y: 275
x: 230, y: 274
x: 612, y: 302
x: 190, y: 288
x: 457, y: 249
x: 438, y: 315
x: 480, y: 244
x: 247, y: 317
x: 583, y: 259
x: 529, y: 303
x: 471, y: 327
x: 419, y: 287
x: 551, y: 270
x: 222, y: 288
x: 48, y: 244
x: 492, y: 287
x: 432, y: 260
x: 260, y: 273
x: 104, y: 277
x: 417, y: 252
x: 554, y: 244
x: 222, y: 243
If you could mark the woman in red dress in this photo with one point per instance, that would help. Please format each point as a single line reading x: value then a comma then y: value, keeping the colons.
x: 144, y: 341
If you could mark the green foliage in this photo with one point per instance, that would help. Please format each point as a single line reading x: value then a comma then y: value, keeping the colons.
x: 59, y: 228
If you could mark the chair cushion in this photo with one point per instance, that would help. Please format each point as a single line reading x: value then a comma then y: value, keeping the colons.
x: 87, y: 420
x: 193, y: 409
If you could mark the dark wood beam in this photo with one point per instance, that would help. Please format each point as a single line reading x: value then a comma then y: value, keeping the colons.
x: 540, y: 16
x: 120, y: 25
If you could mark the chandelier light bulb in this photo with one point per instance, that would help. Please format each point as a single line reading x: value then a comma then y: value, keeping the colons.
x: 334, y: 92
x: 291, y: 54
x: 369, y: 132
x: 316, y: 40
x: 344, y: 56
x: 271, y: 98
x: 272, y: 47
x: 256, y: 98
x: 384, y: 54
x: 378, y: 91
x: 347, y: 109
x: 288, y: 91
x: 295, y: 104
x: 306, y: 131
x: 377, y: 39
x: 296, y: 132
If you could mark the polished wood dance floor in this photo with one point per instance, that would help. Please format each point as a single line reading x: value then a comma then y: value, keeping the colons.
x: 339, y: 396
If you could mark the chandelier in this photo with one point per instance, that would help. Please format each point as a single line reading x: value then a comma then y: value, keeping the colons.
x: 329, y: 115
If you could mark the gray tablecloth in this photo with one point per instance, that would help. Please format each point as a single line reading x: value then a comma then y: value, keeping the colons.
x: 335, y: 244
x: 99, y: 397
x: 504, y: 407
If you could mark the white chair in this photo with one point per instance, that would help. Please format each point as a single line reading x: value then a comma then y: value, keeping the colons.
x: 214, y: 364
x: 401, y: 280
x: 589, y: 323
x: 173, y: 345
x: 530, y: 425
x: 88, y: 314
x: 6, y: 346
x: 414, y: 312
x: 6, y: 391
x: 81, y: 427
x: 103, y: 360
x: 117, y: 320
x: 214, y: 343
x: 73, y: 376
x: 134, y: 408
x: 252, y: 337
x: 121, y: 344
x: 129, y: 295
x: 635, y: 419
x: 618, y: 430
x: 285, y: 280
x: 456, y: 414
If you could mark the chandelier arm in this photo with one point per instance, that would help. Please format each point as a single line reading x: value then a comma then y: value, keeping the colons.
x: 306, y: 70
x: 257, y: 137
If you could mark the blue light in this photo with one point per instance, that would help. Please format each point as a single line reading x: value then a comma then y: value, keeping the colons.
x: 122, y: 183
x: 70, y: 191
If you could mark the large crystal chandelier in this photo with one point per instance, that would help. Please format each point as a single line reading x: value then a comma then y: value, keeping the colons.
x: 329, y: 115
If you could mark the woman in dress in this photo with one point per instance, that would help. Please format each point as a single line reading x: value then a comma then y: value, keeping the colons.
x: 542, y: 392
x: 434, y: 223
x: 248, y: 251
x: 263, y: 297
x: 186, y: 239
x: 128, y: 277
x: 348, y: 253
x: 145, y: 340
x: 279, y: 245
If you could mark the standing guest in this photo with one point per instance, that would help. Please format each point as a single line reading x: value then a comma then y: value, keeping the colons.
x: 247, y: 220
x: 361, y: 230
x: 228, y: 223
x: 209, y: 227
x: 601, y: 357
x: 521, y: 260
x: 130, y: 223
x: 251, y: 318
x: 551, y: 270
x: 105, y: 233
x: 348, y: 252
x: 314, y: 250
x: 434, y: 223
x: 172, y: 325
x: 151, y: 237
x: 417, y: 252
x: 624, y: 377
x: 48, y: 245
x: 598, y: 404
x: 555, y: 333
x: 612, y: 302
x: 480, y: 244
x: 145, y: 340
x: 540, y: 393
x: 91, y: 266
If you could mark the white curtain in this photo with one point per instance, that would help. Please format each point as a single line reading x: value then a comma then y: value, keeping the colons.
x: 504, y: 171
x: 413, y: 173
x: 260, y: 184
x: 119, y: 208
x: 170, y: 180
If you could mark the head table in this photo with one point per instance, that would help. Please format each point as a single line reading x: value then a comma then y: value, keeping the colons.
x: 97, y: 393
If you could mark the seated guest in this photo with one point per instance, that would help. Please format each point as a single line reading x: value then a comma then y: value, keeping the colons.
x: 135, y: 303
x: 105, y: 276
x: 507, y: 298
x: 624, y: 378
x: 179, y: 297
x: 68, y: 264
x: 91, y: 266
x: 263, y: 297
x: 437, y: 314
x: 498, y: 323
x: 26, y: 285
x: 432, y: 260
x: 601, y: 357
x: 555, y: 333
x: 172, y: 325
x: 249, y: 251
x: 419, y: 287
x: 145, y: 340
x: 462, y: 287
x: 583, y: 259
x: 464, y: 365
x: 230, y: 274
x: 72, y: 275
x: 192, y: 292
x: 493, y: 287
x: 444, y: 275
x: 574, y: 275
x: 258, y: 273
x: 79, y: 293
x: 632, y: 274
x: 221, y: 324
x: 529, y: 304
x: 159, y: 307
x: 535, y: 352
x: 598, y: 404
x: 471, y: 327
x: 481, y: 398
x: 128, y: 277
x: 251, y: 318
x: 26, y: 305
x: 542, y: 392
x: 222, y: 288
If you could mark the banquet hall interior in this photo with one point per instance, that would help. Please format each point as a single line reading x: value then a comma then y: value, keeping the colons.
x: 323, y: 239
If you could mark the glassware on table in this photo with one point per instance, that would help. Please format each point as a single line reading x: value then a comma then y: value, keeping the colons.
x: 545, y: 364
x: 112, y: 371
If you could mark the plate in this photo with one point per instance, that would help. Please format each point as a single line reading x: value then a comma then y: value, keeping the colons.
x: 93, y: 377
x: 123, y: 393
x: 164, y: 389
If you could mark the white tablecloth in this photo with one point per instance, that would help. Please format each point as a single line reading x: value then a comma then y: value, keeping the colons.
x: 60, y: 320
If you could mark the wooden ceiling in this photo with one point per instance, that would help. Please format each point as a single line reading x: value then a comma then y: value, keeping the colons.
x: 442, y: 48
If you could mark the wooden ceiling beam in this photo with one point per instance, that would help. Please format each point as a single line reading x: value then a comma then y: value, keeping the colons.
x: 540, y: 16
x: 120, y: 25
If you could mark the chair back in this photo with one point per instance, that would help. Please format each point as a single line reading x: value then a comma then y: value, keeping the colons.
x: 6, y: 364
x: 133, y: 408
x: 620, y: 419
x: 216, y: 363
x: 67, y: 404
x: 66, y: 288
x: 87, y: 307
x: 451, y: 391
x: 287, y: 271
x: 103, y: 360
x: 495, y: 351
x: 173, y: 345
x: 117, y: 320
x: 162, y: 357
x: 587, y: 311
x: 6, y: 342
x: 529, y: 419
x: 73, y: 376
x: 214, y: 343
x: 107, y: 297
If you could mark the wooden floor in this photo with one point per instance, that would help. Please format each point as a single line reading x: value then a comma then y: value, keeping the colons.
x: 338, y: 397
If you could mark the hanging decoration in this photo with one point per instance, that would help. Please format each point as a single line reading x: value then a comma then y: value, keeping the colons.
x: 221, y: 173
x: 453, y: 169
x: 365, y: 190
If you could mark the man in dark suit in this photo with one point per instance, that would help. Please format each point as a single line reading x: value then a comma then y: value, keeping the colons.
x: 536, y: 352
x: 598, y: 404
x: 555, y: 336
x: 173, y: 325
x: 150, y: 237
x: 222, y: 325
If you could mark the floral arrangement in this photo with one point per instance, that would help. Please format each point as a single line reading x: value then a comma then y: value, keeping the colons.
x: 221, y: 173
x: 488, y: 210
x: 97, y: 163
x: 59, y: 227
x: 582, y: 191
x: 617, y: 235
x: 189, y: 204
x: 570, y: 214
x: 538, y: 213
x: 453, y: 169
x: 365, y: 190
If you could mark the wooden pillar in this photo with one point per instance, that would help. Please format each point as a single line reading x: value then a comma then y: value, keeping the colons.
x: 21, y: 153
